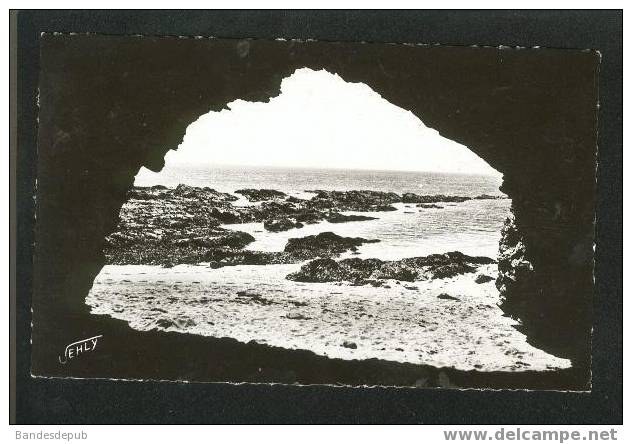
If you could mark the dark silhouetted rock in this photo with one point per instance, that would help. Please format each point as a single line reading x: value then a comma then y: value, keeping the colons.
x: 489, y: 196
x: 202, y: 194
x: 254, y: 195
x: 284, y: 224
x: 367, y: 271
x: 323, y: 244
x: 483, y: 278
x: 308, y: 216
x: 363, y: 200
x: 319, y: 270
x: 416, y: 198
x: 336, y: 218
x: 452, y: 269
x: 383, y: 208
x: 349, y: 344
x: 226, y: 216
x: 446, y: 296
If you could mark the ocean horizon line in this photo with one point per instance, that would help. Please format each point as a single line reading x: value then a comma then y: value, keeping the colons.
x: 310, y: 168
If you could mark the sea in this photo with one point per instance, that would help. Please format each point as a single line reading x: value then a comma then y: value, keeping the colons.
x: 297, y: 180
x: 401, y: 321
x: 472, y: 227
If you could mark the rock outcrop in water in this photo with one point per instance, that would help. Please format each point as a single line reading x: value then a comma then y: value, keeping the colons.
x: 168, y: 226
x: 183, y: 225
x: 483, y: 278
x: 160, y: 225
x: 257, y: 195
x: 176, y: 204
x: 434, y: 198
x: 283, y: 224
x: 367, y: 271
x: 287, y: 223
x: 326, y: 244
x: 187, y: 191
x: 420, y: 199
x: 363, y: 200
x: 296, y: 250
x: 337, y: 218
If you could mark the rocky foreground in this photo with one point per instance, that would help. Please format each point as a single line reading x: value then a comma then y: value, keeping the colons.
x: 185, y: 225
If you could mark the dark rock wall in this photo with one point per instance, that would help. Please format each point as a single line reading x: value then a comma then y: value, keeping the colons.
x: 109, y: 105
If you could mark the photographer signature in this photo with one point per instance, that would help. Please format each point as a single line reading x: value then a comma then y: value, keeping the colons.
x: 78, y: 348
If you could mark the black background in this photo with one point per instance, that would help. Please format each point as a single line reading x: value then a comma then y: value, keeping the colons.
x: 102, y: 401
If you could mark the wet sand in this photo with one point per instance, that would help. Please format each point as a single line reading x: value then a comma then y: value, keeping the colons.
x: 406, y: 323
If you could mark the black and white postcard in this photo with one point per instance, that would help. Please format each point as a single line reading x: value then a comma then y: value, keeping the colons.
x: 311, y: 212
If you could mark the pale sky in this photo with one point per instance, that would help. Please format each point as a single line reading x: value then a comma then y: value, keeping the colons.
x: 321, y: 121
